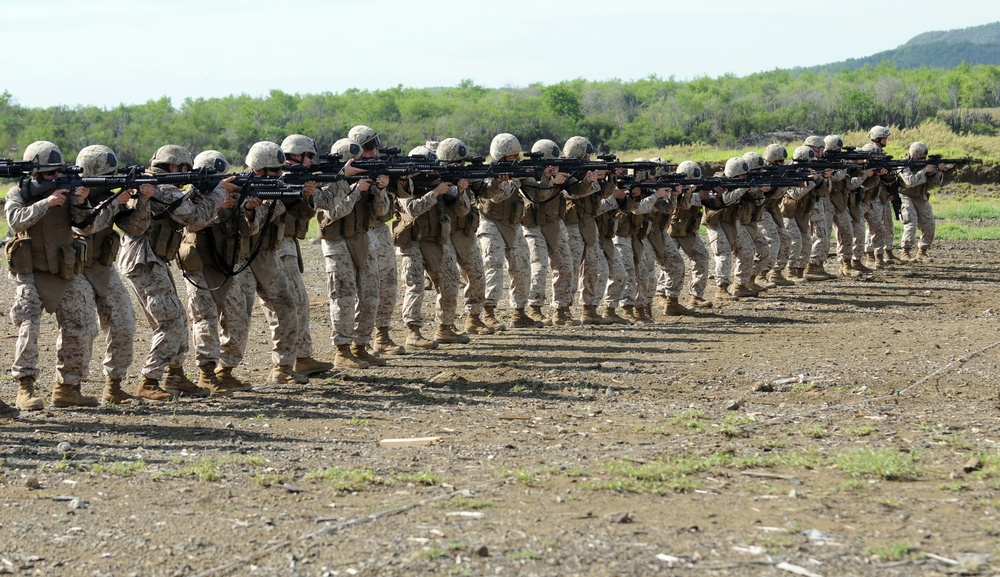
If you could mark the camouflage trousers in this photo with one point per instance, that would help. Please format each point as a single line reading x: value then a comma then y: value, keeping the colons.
x: 778, y: 241
x: 439, y: 263
x: 235, y: 320
x: 843, y: 226
x: 640, y: 274
x: 352, y: 286
x: 617, y: 278
x: 549, y: 247
x: 697, y: 252
x: 504, y: 241
x: 76, y: 323
x: 799, y: 240
x: 380, y: 245
x: 669, y: 258
x: 470, y: 263
x: 154, y: 289
x: 869, y: 213
x: 819, y: 248
x: 303, y: 343
x: 731, y: 244
x: 117, y: 318
x: 206, y: 317
x: 278, y: 301
x: 760, y: 249
x: 916, y: 213
x: 590, y: 268
x: 880, y: 229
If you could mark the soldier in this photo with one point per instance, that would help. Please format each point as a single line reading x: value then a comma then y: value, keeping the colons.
x: 300, y: 150
x: 772, y: 224
x: 843, y: 203
x: 502, y: 238
x: 916, y: 209
x: 636, y: 253
x: 752, y: 217
x: 380, y: 240
x: 211, y: 257
x: 45, y: 263
x: 609, y: 213
x: 143, y: 261
x: 114, y: 307
x: 346, y: 213
x: 881, y: 245
x: 819, y: 220
x: 870, y: 212
x: 422, y: 235
x: 796, y: 208
x: 276, y: 295
x: 682, y: 225
x: 545, y: 234
x: 727, y: 236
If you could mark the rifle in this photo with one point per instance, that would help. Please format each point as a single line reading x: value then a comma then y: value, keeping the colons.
x: 10, y: 168
x: 607, y: 162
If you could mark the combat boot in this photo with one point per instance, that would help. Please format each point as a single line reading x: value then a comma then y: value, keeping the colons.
x: 64, y: 396
x: 756, y: 286
x: 149, y: 389
x: 742, y: 291
x: 631, y: 313
x: 8, y: 412
x: 563, y: 317
x: 536, y: 314
x: 416, y: 341
x: 858, y: 265
x: 177, y: 383
x: 795, y: 275
x: 699, y: 302
x: 644, y: 315
x: 384, y: 343
x: 891, y: 258
x: 778, y: 279
x: 475, y: 326
x: 208, y: 381
x: 490, y: 319
x: 286, y: 375
x: 589, y: 316
x: 446, y: 334
x: 361, y: 353
x: 26, y: 399
x: 906, y: 255
x: 520, y: 320
x: 871, y: 259
x: 814, y: 272
x: 229, y: 381
x: 309, y: 366
x: 674, y: 308
x: 922, y: 253
x: 613, y: 316
x: 764, y: 284
x: 847, y: 272
x: 722, y: 293
x: 113, y: 393
x: 346, y: 359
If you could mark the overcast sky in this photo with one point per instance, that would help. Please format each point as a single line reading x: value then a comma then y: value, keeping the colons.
x: 103, y: 53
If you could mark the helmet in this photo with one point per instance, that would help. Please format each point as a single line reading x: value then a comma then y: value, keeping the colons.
x: 754, y: 160
x: 578, y: 147
x: 833, y: 143
x: 298, y: 144
x: 451, y: 150
x: 211, y: 159
x: 43, y: 152
x: 804, y: 154
x: 505, y: 144
x: 871, y: 147
x: 775, y: 153
x: 96, y: 160
x: 548, y: 148
x: 689, y: 168
x: 171, y: 154
x: 347, y: 149
x: 918, y: 150
x: 815, y: 141
x: 878, y: 132
x: 365, y: 136
x: 423, y: 151
x: 736, y: 166
x: 265, y: 154
x: 432, y: 144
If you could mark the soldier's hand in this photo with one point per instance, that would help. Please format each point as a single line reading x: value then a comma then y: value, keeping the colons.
x: 228, y: 184
x: 550, y: 171
x: 57, y: 198
x: 146, y: 191
x: 363, y: 185
x: 252, y: 203
x: 560, y: 178
x: 350, y: 170
x: 619, y: 193
x: 592, y: 176
x: 442, y: 189
x: 229, y: 201
x: 503, y: 178
x: 382, y: 181
x: 81, y: 193
x: 125, y: 195
x: 308, y: 189
x: 463, y: 185
x: 870, y: 172
x: 661, y: 192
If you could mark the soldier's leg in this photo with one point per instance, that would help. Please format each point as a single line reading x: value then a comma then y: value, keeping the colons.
x: 538, y: 255
x: 908, y: 214
x: 576, y: 247
x: 767, y: 231
x: 743, y: 251
x: 203, y: 314
x: 158, y: 298
x: 493, y: 249
x: 368, y: 297
x: 645, y: 274
x: 719, y: 245
x: 594, y: 272
x: 819, y: 249
x: 630, y: 279
x: 342, y: 289
x: 617, y: 280
x: 925, y: 222
x: 300, y: 296
x: 26, y: 314
x: 380, y: 243
x: 235, y: 319
x: 561, y: 263
x: 470, y: 263
x: 117, y: 318
x: 77, y: 321
x: 412, y: 263
x: 277, y: 301
x: 794, y: 242
x: 439, y: 261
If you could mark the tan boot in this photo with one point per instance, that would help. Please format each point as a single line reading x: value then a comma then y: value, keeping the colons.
x: 416, y: 341
x: 286, y: 375
x: 643, y: 315
x: 629, y: 313
x: 346, y: 359
x: 778, y: 279
x: 814, y: 273
x: 177, y: 383
x: 384, y: 343
x: 763, y: 283
x: 361, y: 353
x: 229, y: 381
x: 536, y: 314
x: 149, y: 389
x: 722, y: 293
x: 871, y: 259
x: 891, y: 258
x: 740, y: 291
x: 26, y: 399
x: 609, y: 313
x: 475, y: 326
x: 796, y: 275
x: 208, y: 381
x: 674, y: 308
x: 589, y: 316
x: 699, y: 302
x: 858, y: 265
x: 64, y: 396
x: 8, y: 412
x: 113, y: 393
x: 309, y: 366
x: 847, y: 272
x: 563, y: 318
x: 521, y: 320
x: 922, y: 253
x: 446, y: 334
x: 490, y: 319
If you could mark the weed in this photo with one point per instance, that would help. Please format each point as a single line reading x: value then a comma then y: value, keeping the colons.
x: 775, y: 543
x: 691, y: 419
x: 271, y: 479
x: 803, y: 387
x: 525, y: 555
x: 347, y: 479
x: 862, y: 431
x: 358, y: 422
x: 732, y: 426
x: 954, y: 487
x: 990, y: 530
x: 895, y: 551
x: 468, y: 504
x: 426, y: 479
x: 208, y: 469
x: 888, y: 464
x: 816, y: 432
x: 122, y: 469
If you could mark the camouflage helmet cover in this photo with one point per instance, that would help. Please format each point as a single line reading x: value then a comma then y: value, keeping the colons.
x: 504, y: 144
x: 451, y: 150
x: 172, y: 154
x: 775, y: 153
x: 347, y: 149
x: 754, y: 160
x: 689, y: 168
x: 918, y: 150
x: 211, y: 159
x: 265, y: 154
x: 814, y: 141
x: 365, y: 136
x: 804, y: 154
x: 547, y: 148
x: 577, y: 147
x: 878, y: 131
x: 298, y: 144
x: 736, y: 166
x: 96, y: 160
x: 43, y: 152
x: 833, y: 143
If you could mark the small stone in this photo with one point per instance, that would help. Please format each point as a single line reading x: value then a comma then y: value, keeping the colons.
x: 794, y: 494
x: 733, y: 405
x: 619, y: 517
x: 973, y: 464
x: 64, y: 448
x: 77, y: 503
x: 228, y: 425
x: 32, y: 483
x: 291, y: 488
x: 764, y: 388
x: 482, y: 551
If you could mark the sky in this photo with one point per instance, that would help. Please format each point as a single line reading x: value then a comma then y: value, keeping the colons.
x: 109, y: 52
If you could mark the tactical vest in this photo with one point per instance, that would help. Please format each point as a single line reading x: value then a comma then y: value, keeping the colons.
x: 358, y: 221
x: 220, y: 246
x: 551, y: 210
x: 468, y: 224
x: 684, y: 221
x: 297, y: 217
x: 791, y: 207
x: 510, y: 210
x: 53, y: 247
x: 430, y: 226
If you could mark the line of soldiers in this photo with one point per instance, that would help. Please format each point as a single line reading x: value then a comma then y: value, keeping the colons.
x: 601, y: 239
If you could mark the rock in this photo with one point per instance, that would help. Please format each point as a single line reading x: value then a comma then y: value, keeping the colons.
x: 482, y: 551
x: 619, y: 517
x: 64, y: 448
x: 973, y: 464
x: 764, y: 388
x: 32, y: 483
x: 291, y: 488
x: 794, y: 494
x: 732, y: 405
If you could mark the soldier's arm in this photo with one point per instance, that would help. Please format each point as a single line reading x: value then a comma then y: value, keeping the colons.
x: 21, y: 216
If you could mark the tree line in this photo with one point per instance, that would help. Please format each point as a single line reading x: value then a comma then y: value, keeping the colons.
x: 616, y: 115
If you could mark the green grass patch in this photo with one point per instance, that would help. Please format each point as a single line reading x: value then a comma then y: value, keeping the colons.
x: 120, y: 469
x: 525, y: 555
x: 889, y: 464
x: 272, y: 479
x: 347, y: 479
x: 895, y: 551
x: 862, y: 431
x: 425, y: 479
x: 816, y: 432
x: 691, y: 419
x: 468, y: 504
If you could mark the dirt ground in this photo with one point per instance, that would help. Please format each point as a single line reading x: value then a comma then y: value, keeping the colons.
x: 835, y: 428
